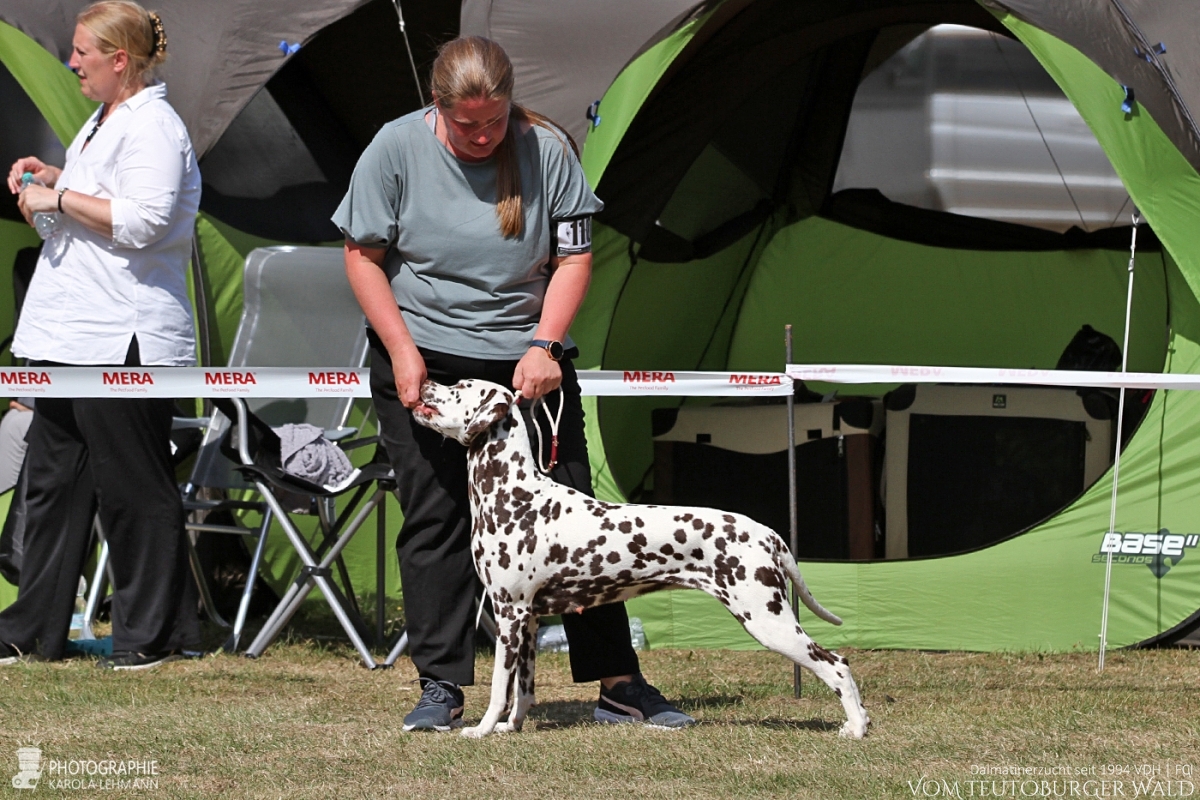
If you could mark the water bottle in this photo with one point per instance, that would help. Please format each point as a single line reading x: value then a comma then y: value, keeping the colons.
x: 46, y: 222
x: 637, y: 634
x: 552, y: 639
x: 76, y: 631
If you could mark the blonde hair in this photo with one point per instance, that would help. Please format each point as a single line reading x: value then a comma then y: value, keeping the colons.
x: 472, y: 67
x: 125, y: 25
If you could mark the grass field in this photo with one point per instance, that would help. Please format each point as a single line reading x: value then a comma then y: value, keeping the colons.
x: 306, y: 721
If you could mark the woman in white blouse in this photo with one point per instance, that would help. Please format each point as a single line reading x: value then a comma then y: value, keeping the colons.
x: 110, y: 289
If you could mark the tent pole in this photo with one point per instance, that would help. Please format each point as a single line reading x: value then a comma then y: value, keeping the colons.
x: 1112, y: 513
x: 200, y: 289
x: 794, y: 539
x: 408, y: 47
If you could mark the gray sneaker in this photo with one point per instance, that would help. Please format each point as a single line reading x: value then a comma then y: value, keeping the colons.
x: 439, y: 709
x: 638, y: 701
x: 9, y: 654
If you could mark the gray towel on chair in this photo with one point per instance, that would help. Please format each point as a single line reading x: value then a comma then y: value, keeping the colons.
x: 307, y: 454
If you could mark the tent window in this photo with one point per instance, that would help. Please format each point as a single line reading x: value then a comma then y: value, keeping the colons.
x: 741, y: 164
x: 967, y: 121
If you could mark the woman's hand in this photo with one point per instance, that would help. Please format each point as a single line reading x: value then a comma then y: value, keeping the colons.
x: 408, y: 368
x: 42, y: 171
x: 36, y: 198
x: 536, y: 374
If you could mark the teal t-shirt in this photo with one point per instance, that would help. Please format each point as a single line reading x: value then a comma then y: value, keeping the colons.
x: 461, y: 286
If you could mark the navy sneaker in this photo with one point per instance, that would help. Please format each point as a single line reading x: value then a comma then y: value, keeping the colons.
x: 129, y: 660
x: 638, y: 701
x: 439, y: 709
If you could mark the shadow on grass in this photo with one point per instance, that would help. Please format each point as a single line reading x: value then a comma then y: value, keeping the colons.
x: 567, y: 714
x: 777, y: 724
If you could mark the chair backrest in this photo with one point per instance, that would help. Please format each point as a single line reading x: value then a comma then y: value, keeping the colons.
x: 297, y: 311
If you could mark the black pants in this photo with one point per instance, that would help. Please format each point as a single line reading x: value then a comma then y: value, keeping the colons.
x: 115, y: 453
x: 436, y: 568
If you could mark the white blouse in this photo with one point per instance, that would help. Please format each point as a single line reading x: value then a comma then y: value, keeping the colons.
x: 91, y: 294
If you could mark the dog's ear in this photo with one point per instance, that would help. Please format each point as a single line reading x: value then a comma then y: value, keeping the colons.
x: 495, y: 407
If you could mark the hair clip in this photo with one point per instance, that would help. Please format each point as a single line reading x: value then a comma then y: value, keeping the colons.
x: 593, y: 114
x: 1127, y: 103
x: 158, y: 37
x: 288, y: 49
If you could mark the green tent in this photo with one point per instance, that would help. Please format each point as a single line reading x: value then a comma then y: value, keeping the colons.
x: 716, y: 156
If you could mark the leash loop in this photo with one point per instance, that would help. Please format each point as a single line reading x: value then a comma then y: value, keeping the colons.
x: 554, y: 419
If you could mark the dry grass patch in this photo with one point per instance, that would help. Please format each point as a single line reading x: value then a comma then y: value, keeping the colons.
x: 306, y: 721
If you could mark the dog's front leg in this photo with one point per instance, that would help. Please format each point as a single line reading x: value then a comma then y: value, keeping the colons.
x: 526, y: 660
x: 511, y: 622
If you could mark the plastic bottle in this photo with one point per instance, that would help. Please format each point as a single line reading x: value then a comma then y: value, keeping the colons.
x: 76, y: 631
x: 46, y: 222
x: 637, y: 635
x: 552, y: 639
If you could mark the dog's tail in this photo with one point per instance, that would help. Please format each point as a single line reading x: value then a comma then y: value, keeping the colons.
x: 784, y: 559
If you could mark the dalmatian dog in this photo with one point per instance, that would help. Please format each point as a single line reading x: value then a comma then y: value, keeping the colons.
x: 542, y: 549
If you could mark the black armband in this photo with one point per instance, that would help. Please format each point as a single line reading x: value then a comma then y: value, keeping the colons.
x: 573, y: 236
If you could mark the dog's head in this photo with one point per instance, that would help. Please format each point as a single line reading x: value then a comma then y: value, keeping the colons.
x: 464, y: 410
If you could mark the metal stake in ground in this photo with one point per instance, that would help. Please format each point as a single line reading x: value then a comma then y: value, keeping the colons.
x: 794, y: 539
x: 1112, y: 512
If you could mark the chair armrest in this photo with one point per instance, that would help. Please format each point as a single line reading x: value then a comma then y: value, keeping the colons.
x: 337, y: 434
x: 356, y: 443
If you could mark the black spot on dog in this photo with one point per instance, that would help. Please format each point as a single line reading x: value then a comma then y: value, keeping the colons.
x: 818, y: 653
x: 625, y: 527
x: 697, y: 554
x: 613, y: 557
x: 558, y: 554
x: 681, y: 536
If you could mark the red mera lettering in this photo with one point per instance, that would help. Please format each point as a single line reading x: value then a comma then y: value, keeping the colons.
x: 128, y: 379
x: 332, y: 378
x: 756, y: 380
x: 649, y: 377
x: 25, y: 378
x: 229, y: 379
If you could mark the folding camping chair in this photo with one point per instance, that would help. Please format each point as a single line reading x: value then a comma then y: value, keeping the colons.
x: 298, y: 310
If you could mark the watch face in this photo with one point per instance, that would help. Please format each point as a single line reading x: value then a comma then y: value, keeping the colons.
x: 555, y: 349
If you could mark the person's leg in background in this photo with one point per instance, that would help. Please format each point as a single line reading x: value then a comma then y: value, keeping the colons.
x: 141, y: 513
x: 60, y: 506
x: 14, y: 425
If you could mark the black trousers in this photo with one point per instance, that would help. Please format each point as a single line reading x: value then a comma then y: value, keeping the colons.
x: 114, y: 454
x: 434, y: 547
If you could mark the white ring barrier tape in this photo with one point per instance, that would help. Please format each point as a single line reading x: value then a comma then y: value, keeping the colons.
x: 616, y: 383
x: 879, y: 373
x: 289, y: 382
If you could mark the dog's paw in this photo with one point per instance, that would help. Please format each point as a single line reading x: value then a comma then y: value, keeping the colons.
x: 850, y: 730
x: 507, y: 727
x: 476, y: 732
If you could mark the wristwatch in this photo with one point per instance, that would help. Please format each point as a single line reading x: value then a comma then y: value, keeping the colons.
x: 553, y: 348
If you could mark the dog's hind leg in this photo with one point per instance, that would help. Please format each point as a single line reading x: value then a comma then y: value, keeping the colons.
x: 781, y: 633
x: 526, y: 661
x: 512, y: 623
